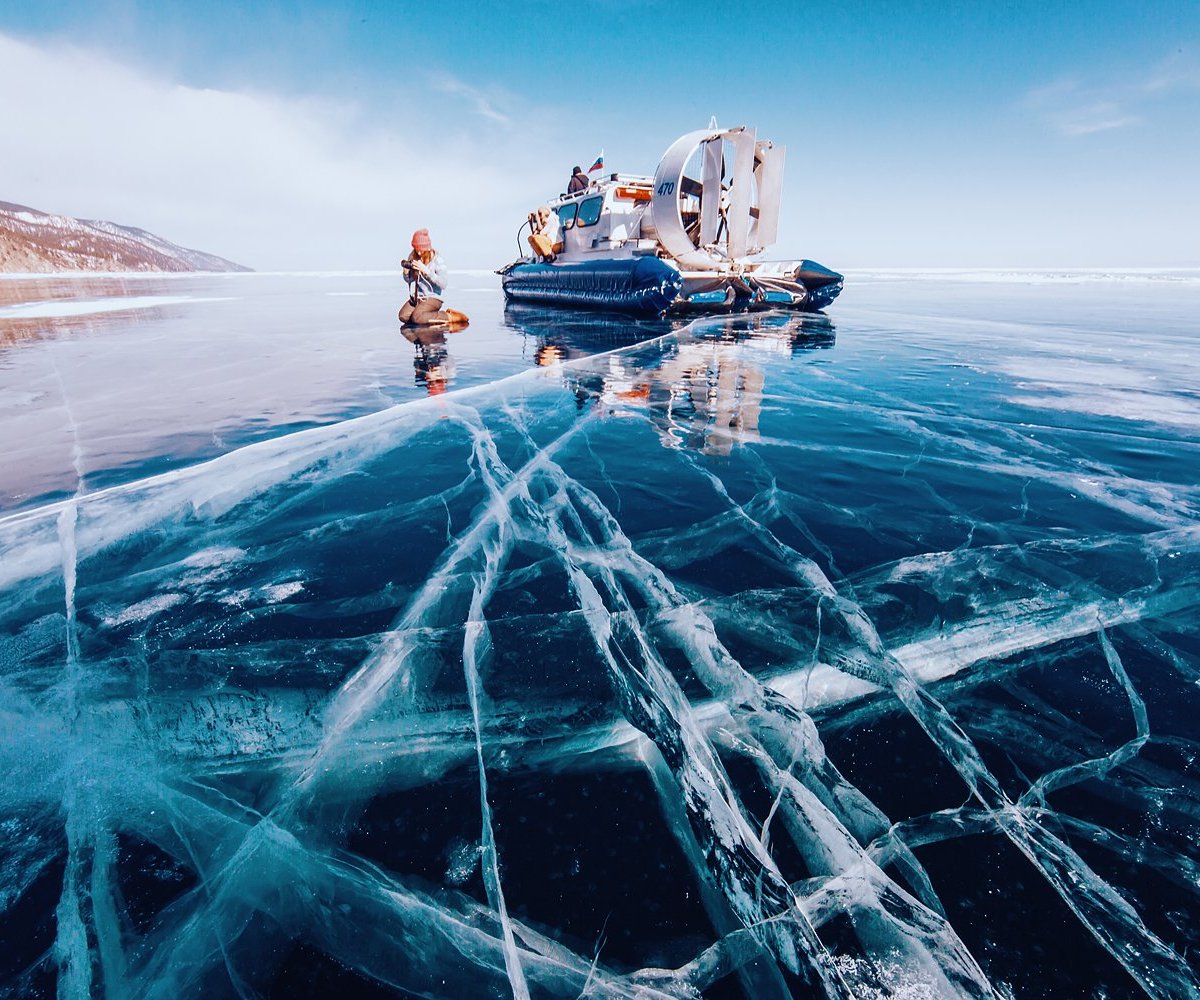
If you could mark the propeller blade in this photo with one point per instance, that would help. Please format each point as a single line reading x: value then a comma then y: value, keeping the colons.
x: 713, y: 158
x: 768, y: 172
x: 738, y: 216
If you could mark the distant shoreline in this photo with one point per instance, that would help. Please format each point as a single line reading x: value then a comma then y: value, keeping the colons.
x: 37, y: 242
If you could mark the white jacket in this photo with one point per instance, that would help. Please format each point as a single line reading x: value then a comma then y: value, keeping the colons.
x: 431, y: 277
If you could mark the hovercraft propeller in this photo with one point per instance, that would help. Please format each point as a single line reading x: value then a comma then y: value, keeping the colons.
x: 731, y: 221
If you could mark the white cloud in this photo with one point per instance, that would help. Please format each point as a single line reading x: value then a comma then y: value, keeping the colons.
x: 1177, y: 72
x: 271, y: 181
x: 482, y: 104
x: 1074, y: 108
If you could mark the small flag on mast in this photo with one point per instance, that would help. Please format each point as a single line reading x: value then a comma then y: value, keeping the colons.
x: 598, y: 165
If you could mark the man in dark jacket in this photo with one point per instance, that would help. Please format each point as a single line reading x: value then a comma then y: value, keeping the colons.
x: 578, y: 181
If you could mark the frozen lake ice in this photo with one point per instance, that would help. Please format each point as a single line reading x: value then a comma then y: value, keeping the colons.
x: 761, y: 656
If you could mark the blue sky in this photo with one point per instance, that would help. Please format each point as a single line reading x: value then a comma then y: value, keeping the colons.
x: 920, y: 134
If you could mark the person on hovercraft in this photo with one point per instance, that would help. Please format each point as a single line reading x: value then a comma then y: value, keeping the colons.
x: 578, y: 182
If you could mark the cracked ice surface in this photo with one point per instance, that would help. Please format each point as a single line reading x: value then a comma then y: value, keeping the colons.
x: 746, y: 661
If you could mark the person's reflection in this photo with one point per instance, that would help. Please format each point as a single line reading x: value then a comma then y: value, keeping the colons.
x: 547, y: 354
x: 432, y: 365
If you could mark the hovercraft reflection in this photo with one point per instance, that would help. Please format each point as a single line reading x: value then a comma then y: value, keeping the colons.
x: 701, y: 389
x: 561, y: 335
x: 672, y: 242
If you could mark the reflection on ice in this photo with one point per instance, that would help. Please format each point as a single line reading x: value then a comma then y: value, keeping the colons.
x: 640, y: 673
x: 212, y: 363
x: 433, y: 366
x: 704, y: 390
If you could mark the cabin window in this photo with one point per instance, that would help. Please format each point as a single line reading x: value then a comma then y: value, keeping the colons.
x: 589, y: 210
x: 566, y: 214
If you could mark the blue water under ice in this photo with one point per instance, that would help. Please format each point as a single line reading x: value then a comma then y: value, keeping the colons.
x: 568, y: 655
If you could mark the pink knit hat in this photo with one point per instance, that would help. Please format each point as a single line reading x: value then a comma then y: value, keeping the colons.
x: 421, y: 240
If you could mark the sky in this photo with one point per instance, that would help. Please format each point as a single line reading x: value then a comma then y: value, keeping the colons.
x: 291, y: 136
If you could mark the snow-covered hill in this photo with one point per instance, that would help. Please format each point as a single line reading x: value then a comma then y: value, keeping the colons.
x: 33, y: 241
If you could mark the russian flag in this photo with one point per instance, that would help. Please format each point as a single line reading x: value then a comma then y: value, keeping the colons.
x: 598, y: 165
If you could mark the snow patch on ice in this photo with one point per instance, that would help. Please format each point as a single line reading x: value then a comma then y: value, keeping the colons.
x: 271, y: 594
x: 1059, y: 275
x: 144, y: 609
x: 87, y: 307
x: 463, y: 861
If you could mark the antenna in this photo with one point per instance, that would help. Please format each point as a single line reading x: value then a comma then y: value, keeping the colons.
x: 712, y: 123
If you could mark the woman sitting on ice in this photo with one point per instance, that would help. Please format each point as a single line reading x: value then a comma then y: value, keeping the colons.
x: 425, y: 271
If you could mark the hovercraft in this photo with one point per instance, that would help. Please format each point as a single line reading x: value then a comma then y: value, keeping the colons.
x: 686, y: 239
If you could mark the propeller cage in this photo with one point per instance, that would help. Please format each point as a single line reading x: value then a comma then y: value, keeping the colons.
x: 738, y: 217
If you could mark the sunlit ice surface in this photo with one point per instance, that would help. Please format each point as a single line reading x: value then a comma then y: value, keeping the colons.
x: 761, y: 656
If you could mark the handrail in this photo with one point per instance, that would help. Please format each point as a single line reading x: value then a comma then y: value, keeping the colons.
x: 521, y: 229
